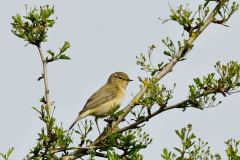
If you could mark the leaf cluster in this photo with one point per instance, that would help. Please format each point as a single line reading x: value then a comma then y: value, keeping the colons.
x: 225, y: 13
x: 233, y: 149
x: 193, y: 148
x: 60, y: 54
x: 146, y: 64
x: 8, y: 154
x: 129, y: 143
x: 193, y: 21
x: 226, y: 81
x: 84, y: 132
x: 156, y: 94
x: 34, y: 26
x: 50, y: 138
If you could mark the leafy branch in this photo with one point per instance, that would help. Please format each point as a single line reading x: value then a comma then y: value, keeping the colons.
x: 54, y: 142
x: 176, y: 56
x: 201, y: 95
x: 196, y: 149
x: 33, y: 28
x: 168, y: 68
x: 190, y: 147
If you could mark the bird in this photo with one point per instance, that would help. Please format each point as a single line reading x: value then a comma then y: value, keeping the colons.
x: 106, y: 99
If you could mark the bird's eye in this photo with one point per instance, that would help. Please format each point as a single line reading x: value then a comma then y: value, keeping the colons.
x: 120, y: 77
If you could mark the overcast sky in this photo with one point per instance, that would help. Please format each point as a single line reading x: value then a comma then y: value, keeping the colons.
x: 105, y: 37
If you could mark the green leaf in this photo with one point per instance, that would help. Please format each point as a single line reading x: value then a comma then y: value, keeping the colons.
x: 180, y: 158
x: 51, y: 52
x: 43, y: 100
x: 192, y: 136
x: 166, y: 155
x: 167, y: 53
x: 36, y: 110
x: 65, y: 46
x: 152, y: 47
x: 177, y: 149
x: 10, y: 151
x: 180, y: 135
x: 182, y: 59
x: 64, y: 57
x: 153, y: 72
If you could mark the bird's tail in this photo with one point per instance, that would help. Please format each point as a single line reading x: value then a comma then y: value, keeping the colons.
x: 76, y: 120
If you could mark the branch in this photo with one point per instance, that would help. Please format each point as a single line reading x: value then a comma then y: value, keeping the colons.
x: 183, y: 50
x: 168, y: 68
x: 81, y: 151
x: 181, y: 104
x: 72, y: 148
x: 45, y: 78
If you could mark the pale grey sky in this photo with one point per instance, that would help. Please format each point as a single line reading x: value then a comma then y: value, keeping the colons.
x: 106, y: 36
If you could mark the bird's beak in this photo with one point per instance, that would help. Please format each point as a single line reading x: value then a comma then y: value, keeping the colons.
x: 130, y: 80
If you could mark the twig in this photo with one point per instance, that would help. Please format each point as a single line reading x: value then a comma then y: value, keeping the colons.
x: 41, y: 77
x: 72, y: 148
x: 45, y: 78
x: 81, y: 151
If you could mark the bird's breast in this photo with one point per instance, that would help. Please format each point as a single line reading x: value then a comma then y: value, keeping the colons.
x: 108, y: 107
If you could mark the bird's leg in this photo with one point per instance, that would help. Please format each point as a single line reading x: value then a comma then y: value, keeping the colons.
x: 96, y: 120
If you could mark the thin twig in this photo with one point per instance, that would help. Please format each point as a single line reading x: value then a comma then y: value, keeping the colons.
x: 45, y: 78
x: 82, y: 151
x: 72, y: 148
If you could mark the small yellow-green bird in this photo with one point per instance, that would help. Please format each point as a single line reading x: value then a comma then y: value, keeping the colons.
x: 104, y: 100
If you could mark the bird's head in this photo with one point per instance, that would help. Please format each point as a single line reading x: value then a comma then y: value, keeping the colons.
x: 119, y: 78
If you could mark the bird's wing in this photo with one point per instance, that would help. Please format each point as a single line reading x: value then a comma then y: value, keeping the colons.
x: 104, y: 94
